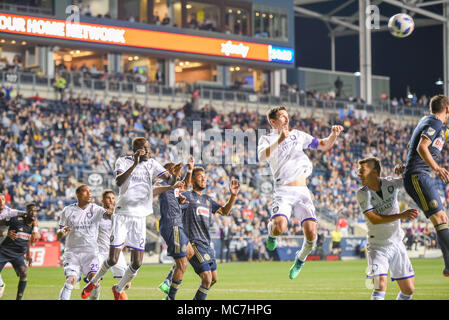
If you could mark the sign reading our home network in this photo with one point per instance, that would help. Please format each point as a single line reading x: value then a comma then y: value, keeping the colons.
x: 103, y: 34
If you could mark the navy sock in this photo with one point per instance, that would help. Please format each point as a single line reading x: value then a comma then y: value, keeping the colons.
x: 174, y: 289
x: 21, y: 289
x: 201, y: 294
x: 170, y: 274
x: 443, y: 240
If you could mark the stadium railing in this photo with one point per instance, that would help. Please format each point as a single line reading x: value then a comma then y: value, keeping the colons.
x: 77, y: 82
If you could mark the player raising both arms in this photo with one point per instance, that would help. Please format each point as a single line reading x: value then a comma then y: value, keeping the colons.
x: 79, y: 222
x: 284, y: 151
x: 134, y: 177
x: 425, y: 146
x: 378, y: 199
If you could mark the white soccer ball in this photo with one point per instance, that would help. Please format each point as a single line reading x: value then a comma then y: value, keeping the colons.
x: 401, y: 25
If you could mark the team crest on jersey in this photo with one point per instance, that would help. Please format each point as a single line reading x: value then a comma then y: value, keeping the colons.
x: 433, y: 204
x: 206, y: 257
x: 184, y: 248
x: 202, y: 211
x: 431, y: 131
x: 292, y: 137
x: 390, y: 189
x: 275, y: 209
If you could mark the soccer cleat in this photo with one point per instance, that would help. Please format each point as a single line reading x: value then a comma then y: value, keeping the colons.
x: 272, y: 243
x: 2, y: 290
x: 87, y: 290
x: 295, y: 269
x: 445, y: 273
x: 164, y: 286
x: 118, y: 295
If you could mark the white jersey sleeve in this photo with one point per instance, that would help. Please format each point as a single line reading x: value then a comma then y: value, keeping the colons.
x: 308, y: 141
x: 9, y: 213
x: 264, y: 143
x: 364, y: 201
x: 63, y: 218
x: 157, y: 168
x: 120, y: 165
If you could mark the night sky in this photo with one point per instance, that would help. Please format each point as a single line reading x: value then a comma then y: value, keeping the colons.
x: 416, y: 61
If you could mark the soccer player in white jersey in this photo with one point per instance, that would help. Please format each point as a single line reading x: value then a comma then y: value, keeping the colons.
x: 104, y: 239
x: 378, y: 199
x: 79, y: 222
x: 284, y: 151
x: 134, y: 177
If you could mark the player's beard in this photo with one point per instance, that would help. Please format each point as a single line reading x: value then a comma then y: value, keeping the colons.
x: 198, y: 187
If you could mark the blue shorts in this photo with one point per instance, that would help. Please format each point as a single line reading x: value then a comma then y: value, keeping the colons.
x: 203, y: 259
x: 423, y: 189
x: 176, y: 241
x: 16, y: 262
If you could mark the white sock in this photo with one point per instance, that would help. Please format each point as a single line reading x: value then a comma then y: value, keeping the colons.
x: 378, y: 295
x: 1, y: 281
x: 307, y: 247
x: 270, y: 231
x: 130, y: 273
x: 104, y: 268
x: 402, y: 296
x: 66, y: 292
x: 95, y: 295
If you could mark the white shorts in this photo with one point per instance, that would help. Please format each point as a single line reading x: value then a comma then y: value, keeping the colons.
x: 128, y: 230
x: 118, y: 270
x: 393, y: 257
x: 80, y: 263
x: 294, y: 200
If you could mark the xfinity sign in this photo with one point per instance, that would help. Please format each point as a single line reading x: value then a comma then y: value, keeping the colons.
x: 279, y: 54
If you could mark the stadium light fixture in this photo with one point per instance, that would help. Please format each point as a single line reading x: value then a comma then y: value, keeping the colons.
x: 357, y: 73
x: 13, y: 41
x: 439, y: 82
x: 189, y: 6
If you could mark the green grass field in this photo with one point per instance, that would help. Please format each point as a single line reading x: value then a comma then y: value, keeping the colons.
x: 319, y: 280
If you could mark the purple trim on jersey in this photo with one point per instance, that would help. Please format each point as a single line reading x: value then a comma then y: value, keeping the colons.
x: 279, y: 214
x: 138, y: 249
x: 116, y: 246
x: 161, y: 173
x: 377, y: 275
x: 394, y: 279
x: 367, y: 210
x: 309, y: 219
x: 314, y: 144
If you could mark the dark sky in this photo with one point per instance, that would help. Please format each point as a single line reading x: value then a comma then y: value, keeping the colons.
x: 416, y: 61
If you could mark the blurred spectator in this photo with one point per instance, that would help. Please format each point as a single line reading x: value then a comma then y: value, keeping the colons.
x: 336, y: 241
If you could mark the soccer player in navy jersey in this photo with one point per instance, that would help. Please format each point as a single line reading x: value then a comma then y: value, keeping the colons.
x: 425, y: 146
x: 14, y: 248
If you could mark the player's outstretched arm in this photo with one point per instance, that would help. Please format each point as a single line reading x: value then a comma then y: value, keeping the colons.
x: 62, y: 232
x: 265, y: 153
x: 188, y: 177
x: 424, y: 153
x: 375, y: 218
x: 162, y: 189
x: 327, y: 143
x: 11, y: 214
x: 234, y: 188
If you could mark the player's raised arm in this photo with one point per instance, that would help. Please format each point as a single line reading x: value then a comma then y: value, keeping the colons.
x: 161, y: 189
x: 188, y: 177
x: 234, y: 188
x: 121, y: 177
x: 375, y: 218
x: 327, y: 143
x: 424, y: 153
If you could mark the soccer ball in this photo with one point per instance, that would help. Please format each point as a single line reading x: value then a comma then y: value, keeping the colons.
x: 401, y: 25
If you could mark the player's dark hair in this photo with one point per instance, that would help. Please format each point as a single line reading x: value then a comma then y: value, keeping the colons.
x: 78, y: 190
x: 106, y: 192
x: 273, y: 112
x: 375, y: 162
x: 138, y: 140
x: 438, y: 103
x: 168, y: 165
x: 197, y: 169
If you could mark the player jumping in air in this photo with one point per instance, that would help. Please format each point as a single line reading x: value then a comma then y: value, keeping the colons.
x: 284, y: 151
x: 425, y: 146
x: 134, y: 177
x: 378, y: 199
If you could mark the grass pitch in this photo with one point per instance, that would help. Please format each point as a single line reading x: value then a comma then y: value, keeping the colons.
x: 318, y: 280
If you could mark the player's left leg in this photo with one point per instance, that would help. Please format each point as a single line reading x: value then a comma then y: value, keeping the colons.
x: 203, y: 290
x: 310, y: 236
x: 407, y: 287
x: 2, y: 284
x: 440, y: 222
x: 380, y: 287
x: 21, y: 271
x: 280, y: 214
x: 129, y: 275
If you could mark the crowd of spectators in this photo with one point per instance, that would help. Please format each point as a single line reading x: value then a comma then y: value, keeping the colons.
x: 47, y: 146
